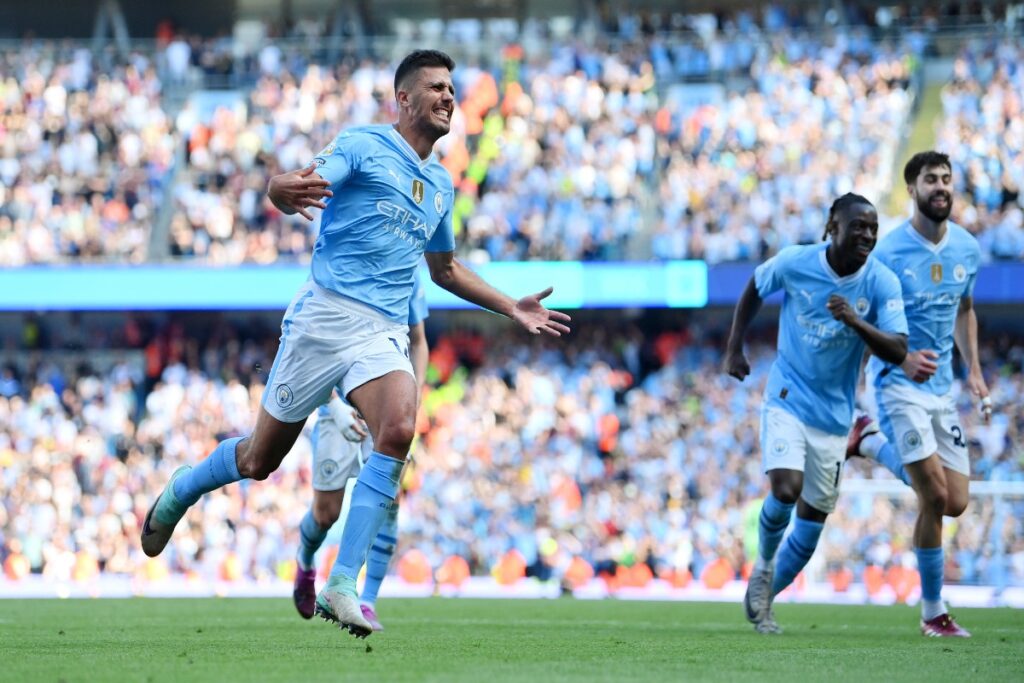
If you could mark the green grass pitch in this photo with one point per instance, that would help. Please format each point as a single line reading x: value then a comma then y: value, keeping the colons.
x: 540, y: 641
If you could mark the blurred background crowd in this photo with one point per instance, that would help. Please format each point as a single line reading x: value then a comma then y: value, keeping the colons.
x: 626, y: 448
x: 724, y: 141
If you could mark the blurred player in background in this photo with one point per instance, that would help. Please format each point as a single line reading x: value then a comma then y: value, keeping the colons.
x: 339, y: 440
x: 836, y: 301
x: 936, y: 261
x: 386, y: 202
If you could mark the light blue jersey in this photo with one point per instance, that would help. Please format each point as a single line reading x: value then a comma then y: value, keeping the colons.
x: 934, y: 278
x: 815, y: 374
x: 389, y: 206
x: 418, y: 311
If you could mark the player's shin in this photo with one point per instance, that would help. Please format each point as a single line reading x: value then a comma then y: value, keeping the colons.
x: 372, y: 498
x: 930, y: 565
x: 796, y: 552
x: 311, y: 537
x: 218, y: 469
x: 772, y: 523
x: 379, y: 557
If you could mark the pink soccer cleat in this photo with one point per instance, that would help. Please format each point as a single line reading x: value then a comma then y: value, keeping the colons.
x: 304, y: 592
x: 943, y: 626
x: 864, y: 426
x: 371, y: 617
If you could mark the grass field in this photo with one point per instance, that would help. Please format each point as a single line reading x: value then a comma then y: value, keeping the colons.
x: 541, y: 641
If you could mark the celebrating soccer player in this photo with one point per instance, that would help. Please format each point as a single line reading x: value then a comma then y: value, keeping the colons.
x: 386, y: 202
x: 936, y: 261
x: 339, y: 439
x: 836, y: 301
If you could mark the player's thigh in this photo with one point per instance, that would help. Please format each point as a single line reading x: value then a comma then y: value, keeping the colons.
x: 335, y: 458
x: 314, y: 352
x: 382, y: 386
x: 783, y: 451
x: 957, y: 492
x: 951, y: 442
x: 905, y: 418
x: 823, y: 470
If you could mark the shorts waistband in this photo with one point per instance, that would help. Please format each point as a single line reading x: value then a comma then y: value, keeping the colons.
x: 351, y: 305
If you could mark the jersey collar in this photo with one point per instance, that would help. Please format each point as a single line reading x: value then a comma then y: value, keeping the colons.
x: 841, y: 280
x: 928, y: 244
x: 409, y: 151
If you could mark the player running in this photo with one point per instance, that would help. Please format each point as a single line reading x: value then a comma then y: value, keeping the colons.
x: 936, y: 261
x: 339, y: 440
x: 836, y: 301
x: 386, y: 202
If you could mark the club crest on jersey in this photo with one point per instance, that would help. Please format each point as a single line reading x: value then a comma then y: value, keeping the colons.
x: 439, y: 203
x: 417, y: 191
x: 862, y: 306
x: 959, y: 272
x: 912, y: 440
x: 284, y: 395
x: 936, y: 273
x: 780, y: 446
x: 328, y: 468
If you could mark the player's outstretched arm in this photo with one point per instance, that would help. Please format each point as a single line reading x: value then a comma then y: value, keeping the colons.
x: 450, y: 273
x: 296, y: 191
x: 965, y: 334
x: 889, y: 346
x: 746, y: 309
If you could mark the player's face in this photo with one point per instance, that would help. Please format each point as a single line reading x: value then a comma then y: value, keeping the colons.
x: 857, y: 231
x: 431, y: 99
x: 933, y: 192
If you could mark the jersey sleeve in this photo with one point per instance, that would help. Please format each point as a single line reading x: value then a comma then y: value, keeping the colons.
x: 443, y: 238
x: 337, y: 161
x: 890, y: 316
x: 418, y: 311
x: 770, y: 276
x: 972, y: 275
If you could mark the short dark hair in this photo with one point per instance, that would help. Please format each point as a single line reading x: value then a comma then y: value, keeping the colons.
x: 921, y: 161
x: 848, y: 199
x: 418, y: 59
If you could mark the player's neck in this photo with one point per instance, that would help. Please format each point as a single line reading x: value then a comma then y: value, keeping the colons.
x: 422, y: 144
x: 933, y: 231
x: 840, y: 266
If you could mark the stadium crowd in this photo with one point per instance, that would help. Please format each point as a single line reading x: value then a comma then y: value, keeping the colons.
x: 626, y: 450
x: 588, y: 150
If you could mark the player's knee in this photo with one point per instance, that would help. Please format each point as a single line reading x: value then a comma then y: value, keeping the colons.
x: 326, y: 512
x: 786, y: 491
x: 955, y: 505
x: 396, y: 436
x: 255, y: 464
x: 934, y: 498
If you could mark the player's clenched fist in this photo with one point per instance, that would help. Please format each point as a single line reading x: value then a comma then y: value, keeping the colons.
x: 841, y: 310
x: 736, y: 365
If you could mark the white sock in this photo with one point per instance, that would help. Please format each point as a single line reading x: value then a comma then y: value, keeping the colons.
x: 761, y: 564
x: 871, y: 444
x: 932, y: 608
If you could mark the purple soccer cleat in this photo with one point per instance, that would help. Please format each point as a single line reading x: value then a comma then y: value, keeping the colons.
x: 304, y: 592
x: 371, y: 617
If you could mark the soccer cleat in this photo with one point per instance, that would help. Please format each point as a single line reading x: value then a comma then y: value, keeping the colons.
x: 864, y: 426
x: 304, y: 592
x: 371, y: 617
x: 161, y: 519
x: 758, y: 598
x: 342, y: 608
x: 767, y: 624
x: 943, y: 626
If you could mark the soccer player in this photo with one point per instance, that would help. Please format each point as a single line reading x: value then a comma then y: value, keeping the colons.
x: 836, y: 301
x: 936, y: 261
x: 339, y: 439
x: 386, y: 203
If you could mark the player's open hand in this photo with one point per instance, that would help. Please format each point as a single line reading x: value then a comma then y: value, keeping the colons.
x: 531, y: 314
x: 841, y: 309
x: 979, y: 389
x: 920, y: 365
x: 736, y: 365
x: 297, y: 191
